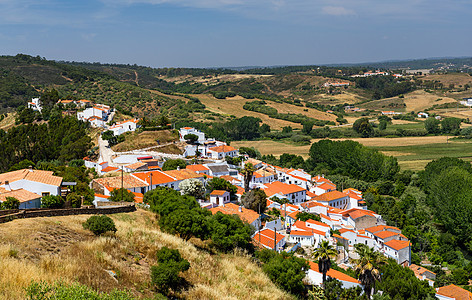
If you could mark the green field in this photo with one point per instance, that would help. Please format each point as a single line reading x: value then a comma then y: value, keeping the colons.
x: 417, y: 156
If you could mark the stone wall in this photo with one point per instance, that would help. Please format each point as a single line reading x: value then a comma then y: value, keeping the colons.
x: 36, y: 213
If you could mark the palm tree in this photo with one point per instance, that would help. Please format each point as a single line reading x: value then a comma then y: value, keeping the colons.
x: 323, y: 255
x: 247, y: 172
x: 367, y: 266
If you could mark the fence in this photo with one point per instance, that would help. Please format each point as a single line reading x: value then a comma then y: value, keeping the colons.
x: 45, y: 212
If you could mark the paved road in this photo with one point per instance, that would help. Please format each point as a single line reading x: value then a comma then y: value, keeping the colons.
x: 105, y: 152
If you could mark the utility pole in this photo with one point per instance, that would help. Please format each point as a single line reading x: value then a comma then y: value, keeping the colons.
x: 150, y: 188
x: 121, y: 183
x: 275, y: 239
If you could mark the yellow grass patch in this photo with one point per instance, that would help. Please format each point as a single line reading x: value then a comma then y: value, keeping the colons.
x: 234, y: 106
x: 145, y: 139
x: 59, y: 248
x: 8, y: 121
x: 293, y: 109
x: 446, y: 79
x: 420, y: 100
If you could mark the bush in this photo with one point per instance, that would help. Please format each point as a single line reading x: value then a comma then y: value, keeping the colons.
x: 166, y: 274
x: 10, y: 203
x: 121, y: 195
x: 99, y: 224
x: 52, y: 202
x: 174, y: 164
x: 74, y: 200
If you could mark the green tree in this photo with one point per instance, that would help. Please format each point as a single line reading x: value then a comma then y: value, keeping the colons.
x: 363, y: 127
x: 229, y: 232
x: 24, y: 164
x: 323, y: 255
x: 191, y: 138
x: 51, y: 201
x: 217, y: 183
x: 166, y: 274
x: 74, y: 200
x: 432, y: 125
x: 451, y: 125
x: 247, y: 172
x: 383, y: 125
x: 255, y: 199
x: 307, y: 127
x: 304, y: 216
x: 10, y: 203
x: 367, y: 267
x: 121, y: 195
x: 100, y: 224
x: 285, y: 270
x: 174, y: 164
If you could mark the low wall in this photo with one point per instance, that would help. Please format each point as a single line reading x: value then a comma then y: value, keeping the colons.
x: 36, y: 213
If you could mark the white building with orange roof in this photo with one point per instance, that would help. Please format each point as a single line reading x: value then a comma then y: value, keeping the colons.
x: 315, y: 277
x: 219, y: 197
x: 124, y: 126
x: 199, y: 169
x: 26, y: 198
x: 95, y: 111
x: 269, y: 239
x: 294, y: 193
x: 39, y: 182
x: 324, y: 187
x: 452, y: 292
x: 35, y: 104
x: 96, y: 122
x: 400, y: 250
x: 334, y: 199
x: 262, y: 176
x: 220, y: 152
x: 355, y: 197
x: 314, y: 207
x: 190, y: 130
x: 423, y: 274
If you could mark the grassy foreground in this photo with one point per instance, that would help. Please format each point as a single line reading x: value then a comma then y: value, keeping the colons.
x: 58, y: 248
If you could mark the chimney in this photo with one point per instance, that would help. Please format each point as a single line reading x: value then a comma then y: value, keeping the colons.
x: 178, y: 168
x: 240, y: 208
x: 7, y: 185
x: 30, y: 168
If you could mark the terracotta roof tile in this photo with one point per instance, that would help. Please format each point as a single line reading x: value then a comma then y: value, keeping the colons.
x: 334, y: 273
x: 20, y: 194
x: 329, y: 196
x: 197, y: 168
x: 277, y: 187
x: 232, y: 209
x: 266, y: 238
x: 109, y: 169
x: 222, y: 149
x: 218, y: 192
x: 41, y: 176
x: 397, y: 245
x: 385, y: 234
x: 115, y: 182
x: 136, y: 165
x: 158, y: 177
x: 183, y: 174
x: 453, y: 291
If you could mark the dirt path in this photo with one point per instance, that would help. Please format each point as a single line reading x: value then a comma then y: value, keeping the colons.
x: 137, y: 79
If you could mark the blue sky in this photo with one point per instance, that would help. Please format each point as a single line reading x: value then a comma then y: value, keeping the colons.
x: 209, y: 33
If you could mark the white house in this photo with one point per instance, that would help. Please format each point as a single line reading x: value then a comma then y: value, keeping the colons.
x: 124, y: 126
x: 99, y: 112
x: 294, y: 193
x: 35, y: 104
x: 190, y: 130
x: 398, y: 250
x: 269, y: 239
x: 247, y: 215
x: 26, y: 198
x: 219, y: 197
x: 334, y: 199
x: 324, y: 187
x: 305, y: 238
x: 96, y: 122
x: 220, y: 152
x: 423, y: 115
x: 36, y: 181
x: 314, y: 207
x: 315, y: 277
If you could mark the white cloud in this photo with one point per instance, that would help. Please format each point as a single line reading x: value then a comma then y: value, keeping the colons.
x: 337, y: 11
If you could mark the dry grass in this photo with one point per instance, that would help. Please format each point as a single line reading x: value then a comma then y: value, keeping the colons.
x: 8, y: 122
x: 59, y: 248
x: 446, y: 79
x: 420, y: 100
x: 234, y: 106
x: 145, y: 139
x: 278, y: 148
x: 310, y: 112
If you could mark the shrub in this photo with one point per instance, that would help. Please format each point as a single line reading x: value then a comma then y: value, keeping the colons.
x: 166, y: 274
x: 52, y: 202
x: 74, y: 200
x: 99, y: 224
x: 121, y: 194
x: 10, y: 203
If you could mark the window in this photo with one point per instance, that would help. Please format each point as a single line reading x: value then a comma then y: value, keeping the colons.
x: 45, y: 194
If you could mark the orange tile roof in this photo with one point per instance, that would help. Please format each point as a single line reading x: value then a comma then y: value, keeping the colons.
x: 301, y: 233
x: 266, y: 238
x: 222, y: 149
x: 218, y: 193
x: 343, y: 230
x: 183, y: 174
x: 317, y: 223
x: 115, y: 182
x: 240, y: 190
x: 158, y: 177
x: 339, y: 237
x: 319, y: 179
x: 334, y: 273
x: 334, y: 210
x: 102, y: 196
x: 136, y: 165
x: 263, y: 173
x: 378, y: 228
x: 397, y: 245
x: 20, y: 194
x: 41, y: 176
x: 277, y: 187
x: 188, y: 128
x: 453, y: 291
x: 385, y: 234
x: 311, y: 203
x: 419, y: 271
x: 109, y: 169
x: 197, y: 168
x: 360, y: 213
x: 329, y: 196
x: 323, y: 216
x: 229, y: 178
x: 310, y: 194
x: 138, y: 197
x: 247, y: 215
x: 293, y: 215
x: 327, y: 186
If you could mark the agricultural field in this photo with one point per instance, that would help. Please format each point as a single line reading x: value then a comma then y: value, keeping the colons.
x: 146, y: 139
x: 412, y: 152
x: 447, y: 79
